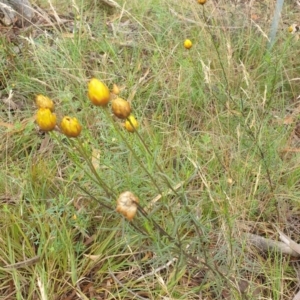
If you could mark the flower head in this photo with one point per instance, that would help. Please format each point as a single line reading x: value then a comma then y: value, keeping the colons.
x: 45, y: 119
x: 70, y: 127
x: 202, y: 2
x: 98, y: 92
x: 44, y: 102
x: 131, y: 124
x: 294, y: 28
x: 121, y: 108
x: 127, y: 205
x: 188, y: 44
x: 115, y: 89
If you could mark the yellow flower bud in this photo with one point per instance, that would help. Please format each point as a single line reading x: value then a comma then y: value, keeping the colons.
x: 187, y: 44
x: 131, y: 124
x: 202, y: 2
x: 45, y: 119
x: 44, y: 102
x: 121, y: 108
x: 115, y: 89
x: 293, y: 28
x: 127, y: 205
x: 70, y: 127
x: 98, y: 92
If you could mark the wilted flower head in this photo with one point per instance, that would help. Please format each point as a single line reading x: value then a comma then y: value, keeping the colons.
x: 121, y: 108
x: 70, y: 127
x: 45, y: 119
x: 44, y: 102
x: 131, y: 124
x: 127, y: 205
x: 98, y: 92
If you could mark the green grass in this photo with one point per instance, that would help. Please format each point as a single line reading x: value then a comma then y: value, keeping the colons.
x: 211, y: 123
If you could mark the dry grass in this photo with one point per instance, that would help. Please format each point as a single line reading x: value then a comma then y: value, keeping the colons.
x: 221, y: 157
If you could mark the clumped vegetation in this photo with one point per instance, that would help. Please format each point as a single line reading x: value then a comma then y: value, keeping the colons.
x: 168, y: 192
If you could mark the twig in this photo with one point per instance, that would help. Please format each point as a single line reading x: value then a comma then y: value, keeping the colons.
x: 111, y: 3
x: 289, y: 242
x: 23, y: 264
x: 165, y: 266
x: 269, y: 245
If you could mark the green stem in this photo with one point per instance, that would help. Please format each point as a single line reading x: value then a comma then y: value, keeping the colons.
x: 131, y: 150
x: 79, y: 146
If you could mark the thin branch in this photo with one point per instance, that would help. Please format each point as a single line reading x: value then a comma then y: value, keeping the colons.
x: 269, y: 245
x: 111, y: 3
x: 165, y: 266
x: 24, y: 263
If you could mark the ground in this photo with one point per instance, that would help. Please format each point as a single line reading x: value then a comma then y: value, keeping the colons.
x: 213, y: 166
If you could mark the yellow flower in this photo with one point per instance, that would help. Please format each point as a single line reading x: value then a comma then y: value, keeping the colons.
x: 202, y: 2
x: 45, y: 119
x: 70, y: 127
x: 131, y: 124
x: 127, y: 204
x: 121, y: 108
x: 188, y: 44
x: 293, y: 28
x: 44, y: 102
x: 98, y: 92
